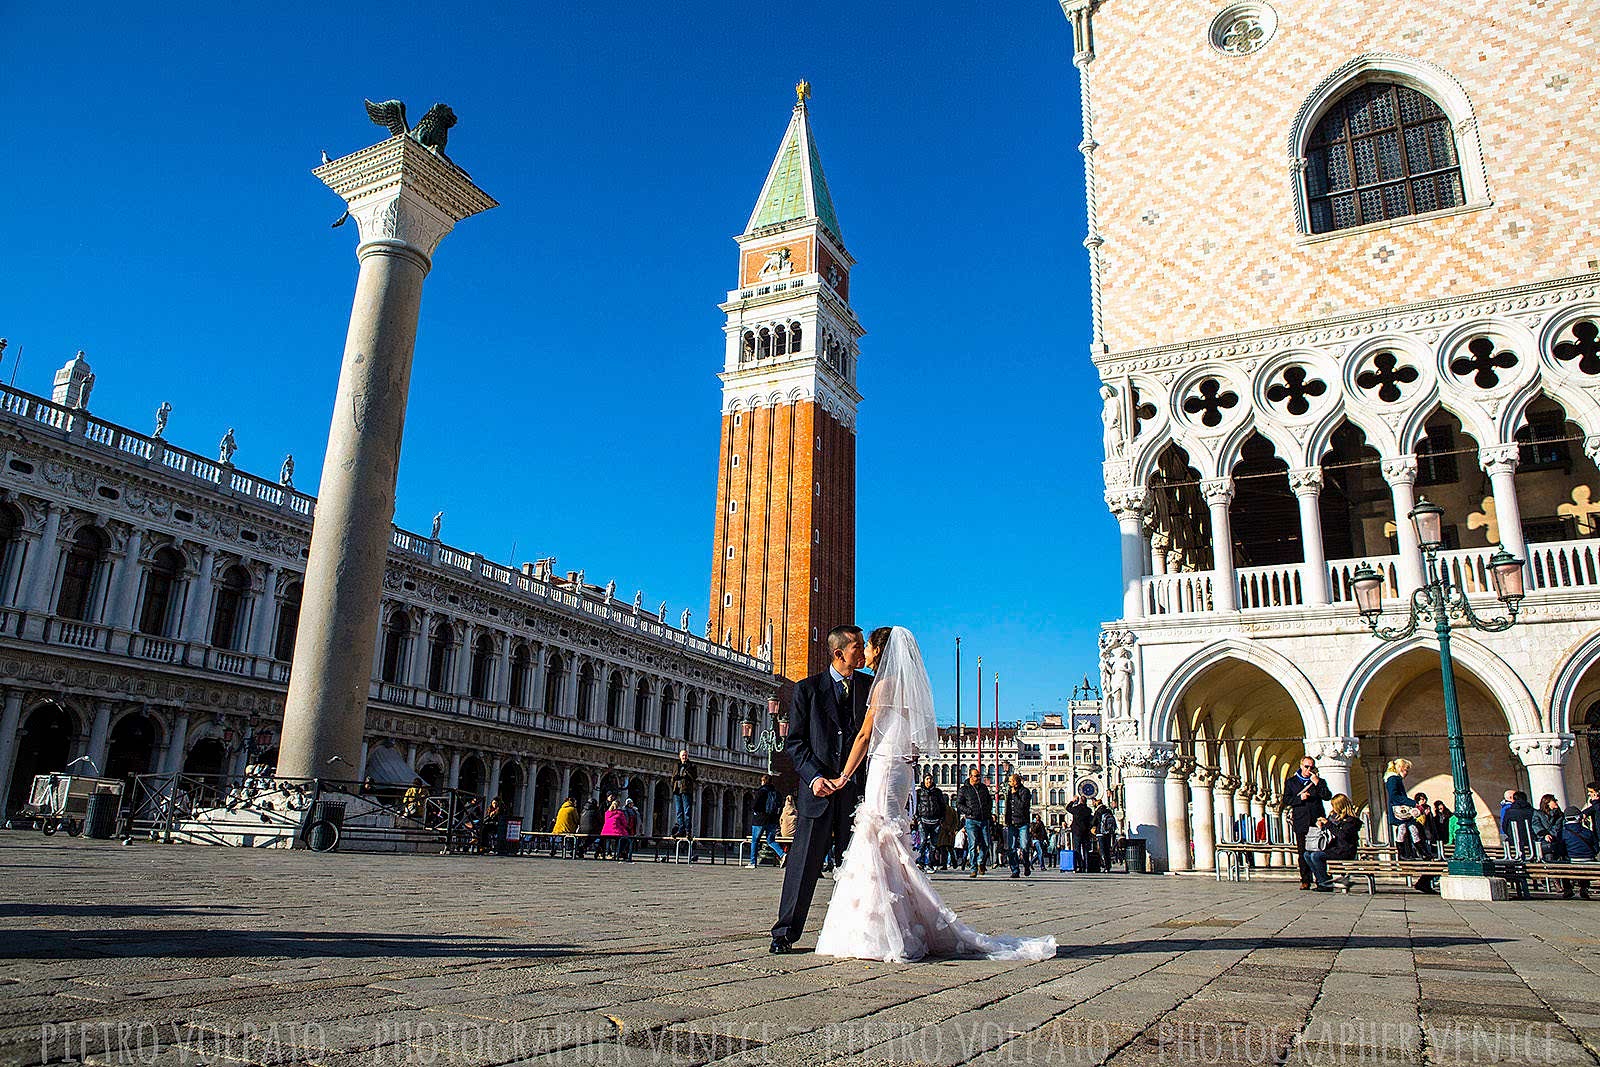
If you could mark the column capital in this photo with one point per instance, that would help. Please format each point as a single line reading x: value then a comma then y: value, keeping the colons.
x: 403, y: 196
x: 1541, y: 749
x: 1226, y: 783
x: 1181, y: 768
x: 1148, y: 760
x: 1337, y: 750
x: 1400, y: 470
x: 1498, y: 459
x: 1217, y: 491
x: 1203, y: 777
x: 1128, y: 502
x: 1306, y: 481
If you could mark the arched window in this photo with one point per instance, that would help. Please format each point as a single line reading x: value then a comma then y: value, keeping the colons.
x: 482, y: 667
x: 80, y: 578
x: 748, y: 349
x: 395, y: 638
x: 669, y: 701
x: 641, y: 706
x: 764, y: 344
x: 157, y: 613
x: 555, y: 675
x: 585, y: 692
x: 1382, y: 151
x: 713, y: 720
x: 229, y: 620
x: 441, y: 657
x: 517, y: 691
x: 616, y: 695
x: 289, y: 622
x: 691, y: 716
x: 794, y: 336
x: 780, y: 340
x: 11, y: 523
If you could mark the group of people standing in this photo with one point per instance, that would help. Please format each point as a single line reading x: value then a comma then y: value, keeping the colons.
x: 608, y: 833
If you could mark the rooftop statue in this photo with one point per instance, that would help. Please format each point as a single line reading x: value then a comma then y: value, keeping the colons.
x: 431, y: 133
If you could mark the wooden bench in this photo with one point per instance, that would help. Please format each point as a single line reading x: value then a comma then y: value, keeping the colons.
x: 1382, y: 865
x: 1563, y: 871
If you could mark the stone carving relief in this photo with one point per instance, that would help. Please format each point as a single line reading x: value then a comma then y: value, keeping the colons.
x: 1243, y: 29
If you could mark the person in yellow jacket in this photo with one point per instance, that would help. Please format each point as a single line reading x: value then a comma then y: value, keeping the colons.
x: 566, y: 818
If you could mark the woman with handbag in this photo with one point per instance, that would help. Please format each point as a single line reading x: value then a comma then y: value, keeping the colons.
x: 1403, y: 827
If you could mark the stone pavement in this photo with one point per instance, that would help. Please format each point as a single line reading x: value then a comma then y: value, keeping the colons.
x: 174, y: 955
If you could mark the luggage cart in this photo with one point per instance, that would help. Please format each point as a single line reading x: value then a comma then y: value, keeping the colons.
x: 61, y: 801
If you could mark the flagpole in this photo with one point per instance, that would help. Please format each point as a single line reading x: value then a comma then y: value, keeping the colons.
x: 958, y: 712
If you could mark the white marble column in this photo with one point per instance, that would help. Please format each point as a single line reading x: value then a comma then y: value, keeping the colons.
x: 39, y: 575
x: 1128, y: 506
x: 1144, y: 770
x: 100, y: 735
x: 1219, y: 496
x: 1401, y: 474
x: 10, y: 731
x: 1307, y: 485
x: 405, y: 199
x: 1223, y: 795
x: 1499, y: 462
x: 530, y: 794
x: 569, y: 689
x: 263, y: 627
x: 1177, y: 809
x: 1203, y: 821
x: 120, y: 612
x: 177, y: 744
x: 540, y: 663
x: 495, y: 766
x: 421, y: 651
x: 197, y: 610
x: 1545, y: 756
x: 500, y: 675
x: 452, y: 778
x: 465, y: 649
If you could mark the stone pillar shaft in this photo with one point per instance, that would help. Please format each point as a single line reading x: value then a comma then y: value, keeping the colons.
x: 1203, y: 824
x: 100, y: 736
x: 10, y: 726
x: 1500, y: 463
x: 176, y: 746
x: 1401, y: 474
x: 1177, y: 810
x: 1307, y: 485
x: 1219, y: 498
x: 405, y: 199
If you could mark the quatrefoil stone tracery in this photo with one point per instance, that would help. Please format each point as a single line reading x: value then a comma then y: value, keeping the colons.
x: 1209, y: 401
x: 1296, y: 390
x: 1584, y: 347
x: 1387, y: 375
x: 1483, y: 363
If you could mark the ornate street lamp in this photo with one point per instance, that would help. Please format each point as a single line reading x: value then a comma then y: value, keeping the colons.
x: 773, y: 732
x: 1440, y: 602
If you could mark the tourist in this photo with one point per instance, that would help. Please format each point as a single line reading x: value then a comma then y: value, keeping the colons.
x: 590, y: 823
x: 1314, y: 857
x: 1548, y: 823
x: 764, y: 822
x: 929, y: 808
x: 1591, y: 812
x: 948, y: 829
x: 1018, y: 816
x: 566, y: 818
x: 1439, y: 824
x: 491, y: 829
x: 1505, y: 802
x: 1581, y: 847
x: 976, y: 805
x: 1517, y: 826
x: 1424, y: 821
x: 789, y: 820
x: 1082, y: 831
x: 684, y: 777
x: 613, y: 830
x: 1041, y: 839
x: 1346, y: 828
x: 1104, y: 822
x: 1306, y: 791
x: 1402, y: 814
x: 412, y: 800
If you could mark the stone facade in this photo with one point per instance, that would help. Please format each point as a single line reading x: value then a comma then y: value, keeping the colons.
x: 783, y: 561
x: 148, y: 607
x: 1289, y: 390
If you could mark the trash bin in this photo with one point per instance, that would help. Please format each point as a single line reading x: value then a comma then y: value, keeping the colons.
x: 326, y: 820
x: 1138, y: 856
x: 101, y: 819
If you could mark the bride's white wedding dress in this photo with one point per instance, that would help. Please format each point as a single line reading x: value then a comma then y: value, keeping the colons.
x: 884, y: 906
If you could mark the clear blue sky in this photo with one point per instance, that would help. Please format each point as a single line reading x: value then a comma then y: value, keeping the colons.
x: 159, y: 212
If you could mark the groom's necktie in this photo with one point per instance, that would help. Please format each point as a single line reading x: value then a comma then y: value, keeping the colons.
x: 844, y: 694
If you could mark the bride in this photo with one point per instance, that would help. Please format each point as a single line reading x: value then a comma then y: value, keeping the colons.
x: 884, y: 906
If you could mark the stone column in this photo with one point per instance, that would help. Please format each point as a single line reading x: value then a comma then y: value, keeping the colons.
x: 39, y: 576
x: 1222, y: 801
x: 1544, y: 755
x: 1499, y: 462
x: 405, y: 199
x: 530, y: 793
x: 120, y: 612
x: 1203, y: 824
x: 361, y: 765
x: 465, y: 648
x: 538, y: 664
x: 421, y: 651
x: 1258, y: 807
x: 10, y: 730
x: 1307, y: 485
x: 1144, y: 768
x: 569, y: 690
x: 262, y: 629
x: 1219, y: 495
x: 452, y: 778
x: 566, y: 786
x: 494, y: 776
x: 176, y: 746
x: 1401, y: 474
x: 197, y: 612
x: 647, y: 811
x: 1177, y: 808
x: 501, y: 674
x: 1334, y: 755
x: 100, y: 736
x: 1128, y: 506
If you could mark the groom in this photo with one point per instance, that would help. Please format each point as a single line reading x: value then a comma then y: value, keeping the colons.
x: 827, y: 713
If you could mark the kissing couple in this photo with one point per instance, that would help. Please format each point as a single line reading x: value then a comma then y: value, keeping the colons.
x: 855, y: 740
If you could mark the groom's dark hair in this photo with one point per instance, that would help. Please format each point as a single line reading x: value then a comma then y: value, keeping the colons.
x: 840, y: 636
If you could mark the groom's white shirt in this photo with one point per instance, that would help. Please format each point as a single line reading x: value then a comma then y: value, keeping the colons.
x: 838, y: 680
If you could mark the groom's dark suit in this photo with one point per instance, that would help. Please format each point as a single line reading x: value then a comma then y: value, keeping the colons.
x: 820, y: 735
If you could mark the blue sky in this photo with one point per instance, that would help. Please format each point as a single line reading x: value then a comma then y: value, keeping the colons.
x: 159, y: 212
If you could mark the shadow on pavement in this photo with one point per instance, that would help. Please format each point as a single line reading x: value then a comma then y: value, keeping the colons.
x: 276, y: 944
x: 1226, y: 944
x: 111, y: 911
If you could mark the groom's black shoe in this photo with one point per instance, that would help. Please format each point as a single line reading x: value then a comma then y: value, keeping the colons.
x: 780, y: 947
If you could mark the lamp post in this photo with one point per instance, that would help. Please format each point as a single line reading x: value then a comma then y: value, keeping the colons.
x: 1439, y: 602
x: 773, y: 731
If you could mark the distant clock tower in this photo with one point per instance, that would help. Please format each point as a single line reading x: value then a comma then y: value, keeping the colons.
x: 785, y: 543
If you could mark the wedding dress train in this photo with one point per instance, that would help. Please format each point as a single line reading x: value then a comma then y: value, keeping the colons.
x: 884, y: 906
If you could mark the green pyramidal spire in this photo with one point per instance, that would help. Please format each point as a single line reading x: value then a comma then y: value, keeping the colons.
x: 796, y: 187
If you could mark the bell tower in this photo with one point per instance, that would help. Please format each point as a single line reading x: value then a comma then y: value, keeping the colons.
x: 784, y: 568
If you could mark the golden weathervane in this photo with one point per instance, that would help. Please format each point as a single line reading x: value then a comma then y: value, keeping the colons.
x: 802, y: 91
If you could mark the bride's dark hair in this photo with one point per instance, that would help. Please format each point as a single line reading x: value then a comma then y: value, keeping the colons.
x: 879, y: 638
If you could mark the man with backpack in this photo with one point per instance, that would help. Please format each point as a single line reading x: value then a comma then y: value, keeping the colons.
x: 1105, y: 832
x: 930, y: 809
x: 1019, y: 815
x: 764, y: 822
